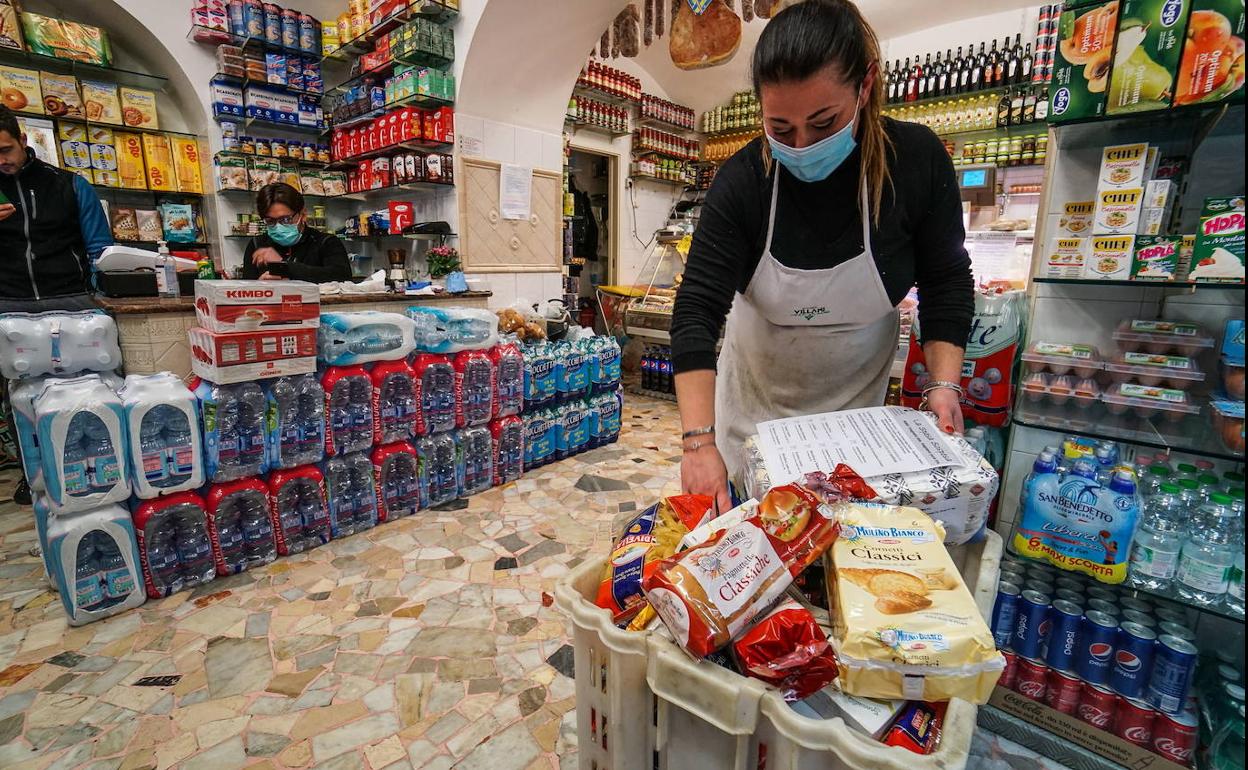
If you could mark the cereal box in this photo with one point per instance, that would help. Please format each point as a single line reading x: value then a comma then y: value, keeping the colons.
x: 60, y: 95
x: 138, y: 108
x: 186, y: 164
x: 20, y: 90
x: 1156, y: 258
x: 1065, y: 258
x: 130, y: 165
x: 158, y: 154
x: 99, y: 102
x: 10, y: 29
x: 1109, y: 257
x: 1219, y: 253
x: 1118, y: 211
x: 1123, y: 167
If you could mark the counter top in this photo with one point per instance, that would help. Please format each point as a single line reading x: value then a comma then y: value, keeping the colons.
x: 153, y: 305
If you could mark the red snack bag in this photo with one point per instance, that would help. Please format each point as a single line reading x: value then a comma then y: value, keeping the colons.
x: 788, y: 649
x: 917, y: 727
x: 712, y: 592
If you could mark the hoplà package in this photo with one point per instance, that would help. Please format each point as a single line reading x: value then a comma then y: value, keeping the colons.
x: 904, y: 624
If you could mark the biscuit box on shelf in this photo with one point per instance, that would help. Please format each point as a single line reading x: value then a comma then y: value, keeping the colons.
x: 232, y: 306
x: 227, y: 358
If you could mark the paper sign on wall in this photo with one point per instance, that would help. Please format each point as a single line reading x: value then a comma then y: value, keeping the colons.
x: 515, y: 191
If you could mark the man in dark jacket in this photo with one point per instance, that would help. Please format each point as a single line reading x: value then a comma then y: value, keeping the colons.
x: 52, y: 229
x: 290, y: 249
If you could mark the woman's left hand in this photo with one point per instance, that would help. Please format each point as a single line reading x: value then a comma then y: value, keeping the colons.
x: 945, y: 404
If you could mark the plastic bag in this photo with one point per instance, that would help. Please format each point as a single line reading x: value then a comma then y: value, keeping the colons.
x: 166, y: 450
x: 453, y: 329
x: 84, y: 443
x: 57, y: 342
x: 789, y: 650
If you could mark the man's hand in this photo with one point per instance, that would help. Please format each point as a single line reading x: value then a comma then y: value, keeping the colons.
x: 267, y: 276
x: 265, y: 256
x: 6, y: 211
x: 945, y: 404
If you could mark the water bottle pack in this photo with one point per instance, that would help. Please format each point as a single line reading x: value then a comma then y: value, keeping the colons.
x: 440, y: 469
x: 22, y: 395
x: 238, y: 526
x: 609, y: 411
x: 92, y: 559
x: 298, y: 510
x: 572, y: 370
x: 237, y: 429
x: 162, y: 419
x: 352, y: 494
x: 348, y: 410
x: 1082, y: 520
x: 395, y: 396
x: 174, y: 546
x: 476, y: 448
x: 604, y: 361
x: 474, y: 388
x: 435, y: 376
x: 453, y: 329
x: 540, y: 381
x: 57, y: 342
x: 508, y: 444
x: 345, y: 339
x: 540, y: 437
x: 397, y: 473
x: 297, y: 405
x: 83, y: 439
x: 576, y: 429
x: 508, y: 380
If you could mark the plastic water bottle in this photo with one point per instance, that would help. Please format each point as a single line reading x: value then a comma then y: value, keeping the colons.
x: 474, y: 382
x: 427, y: 332
x: 118, y: 579
x: 192, y: 544
x: 1155, y: 549
x: 225, y: 410
x: 313, y: 514
x: 437, y: 455
x: 289, y: 517
x: 508, y: 435
x: 1235, y: 582
x: 400, y: 485
x: 1106, y: 461
x: 311, y: 419
x: 397, y: 406
x: 74, y: 477
x: 1227, y: 750
x: 104, y: 467
x: 339, y: 416
x: 1086, y: 468
x: 253, y: 407
x: 180, y: 456
x: 508, y: 380
x: 1189, y: 492
x: 152, y: 449
x: 253, y: 522
x: 341, y: 497
x: 1208, y: 552
x: 1045, y: 463
x: 162, y: 556
x: 364, y: 491
x: 289, y: 427
x: 361, y: 409
x: 437, y: 396
x: 1152, y: 479
x: 88, y: 586
x: 374, y: 338
x: 230, y: 536
x: 476, y: 448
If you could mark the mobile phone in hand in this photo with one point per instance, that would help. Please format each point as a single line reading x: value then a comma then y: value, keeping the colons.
x: 4, y: 199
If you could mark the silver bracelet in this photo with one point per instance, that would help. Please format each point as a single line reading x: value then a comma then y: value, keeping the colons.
x: 943, y: 385
x: 697, y: 432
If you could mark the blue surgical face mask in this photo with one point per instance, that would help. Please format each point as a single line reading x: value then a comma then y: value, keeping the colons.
x: 816, y: 162
x: 285, y: 234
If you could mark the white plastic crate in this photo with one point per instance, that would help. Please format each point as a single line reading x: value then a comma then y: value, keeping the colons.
x: 643, y: 704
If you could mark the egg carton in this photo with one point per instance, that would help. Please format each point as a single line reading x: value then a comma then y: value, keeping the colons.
x: 1145, y: 336
x: 1061, y: 389
x: 1083, y: 361
x: 1146, y: 402
x: 1170, y: 371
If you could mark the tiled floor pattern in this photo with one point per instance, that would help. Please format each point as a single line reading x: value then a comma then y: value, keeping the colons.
x: 430, y: 642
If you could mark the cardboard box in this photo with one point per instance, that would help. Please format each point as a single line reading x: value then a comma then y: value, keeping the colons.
x: 1109, y: 257
x: 1065, y: 258
x: 20, y: 90
x: 1118, y: 211
x: 1158, y: 194
x: 1156, y: 258
x: 1075, y: 221
x: 1082, y: 60
x: 1215, y: 35
x: 1219, y: 253
x: 1152, y: 221
x: 60, y: 95
x: 232, y: 306
x: 1187, y: 246
x: 1070, y: 728
x: 1123, y: 167
x: 100, y: 103
x: 71, y: 132
x: 272, y: 106
x: 187, y: 164
x: 158, y: 155
x: 226, y: 98
x: 40, y: 137
x: 1146, y: 57
x: 138, y: 108
x: 242, y: 356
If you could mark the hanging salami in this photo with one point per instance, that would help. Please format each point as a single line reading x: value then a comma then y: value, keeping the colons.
x: 630, y: 31
x: 747, y: 10
x: 660, y: 25
x: 648, y: 27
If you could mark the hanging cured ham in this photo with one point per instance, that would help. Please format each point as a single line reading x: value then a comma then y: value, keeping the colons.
x: 705, y: 40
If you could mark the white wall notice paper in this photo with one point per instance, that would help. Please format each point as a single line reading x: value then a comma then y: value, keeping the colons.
x: 874, y: 441
x: 515, y: 191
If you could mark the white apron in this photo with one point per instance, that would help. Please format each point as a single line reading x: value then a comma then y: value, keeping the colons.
x: 803, y: 342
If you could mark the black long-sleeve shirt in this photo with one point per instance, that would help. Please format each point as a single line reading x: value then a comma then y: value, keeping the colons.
x: 318, y: 257
x: 919, y: 239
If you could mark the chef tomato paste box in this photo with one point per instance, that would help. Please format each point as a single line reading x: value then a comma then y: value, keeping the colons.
x: 233, y: 306
x: 1219, y: 252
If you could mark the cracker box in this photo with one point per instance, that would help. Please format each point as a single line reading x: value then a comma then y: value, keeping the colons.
x: 20, y: 90
x: 1146, y: 58
x: 158, y: 155
x: 1123, y: 167
x: 100, y: 103
x: 227, y: 98
x: 187, y: 164
x: 60, y: 95
x: 1118, y: 211
x: 130, y: 166
x: 233, y: 306
x: 1110, y: 257
x: 1083, y: 59
x: 138, y: 108
x: 1156, y: 258
x: 250, y: 355
x: 1065, y: 258
x: 1219, y: 252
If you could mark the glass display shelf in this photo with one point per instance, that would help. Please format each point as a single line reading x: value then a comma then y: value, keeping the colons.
x: 247, y: 82
x: 664, y: 125
x: 410, y: 186
x: 639, y: 151
x: 1193, y: 435
x: 659, y: 179
x: 581, y: 125
x: 143, y: 191
x: 170, y: 244
x: 273, y: 125
x: 251, y: 194
x: 110, y: 126
x: 379, y: 73
x: 405, y: 236
x: 428, y: 9
x: 289, y: 161
x: 1035, y: 128
x: 754, y: 130
x: 598, y: 94
x: 928, y: 100
x: 83, y: 70
x: 415, y: 100
x: 1183, y: 112
x: 211, y: 36
x: 1201, y: 286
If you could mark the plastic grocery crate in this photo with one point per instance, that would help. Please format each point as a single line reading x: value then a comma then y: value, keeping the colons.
x: 643, y: 704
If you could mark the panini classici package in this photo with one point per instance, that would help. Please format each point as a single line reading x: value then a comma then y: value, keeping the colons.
x: 903, y: 623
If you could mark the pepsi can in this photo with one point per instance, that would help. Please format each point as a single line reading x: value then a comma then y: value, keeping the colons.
x: 1041, y: 584
x: 1097, y: 634
x: 1015, y: 570
x: 1032, y: 625
x: 1171, y: 614
x: 1102, y: 593
x: 1135, y: 616
x: 1132, y: 603
x: 1133, y: 660
x: 1064, y: 621
x: 1100, y: 605
x: 1005, y: 614
x: 1174, y: 662
x: 1177, y: 631
x: 1069, y: 583
x: 1067, y: 595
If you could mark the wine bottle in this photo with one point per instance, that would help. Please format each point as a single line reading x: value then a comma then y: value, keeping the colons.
x: 933, y: 77
x: 942, y: 77
x: 912, y: 80
x: 1003, y: 110
x: 1024, y: 66
x: 977, y: 69
x: 1013, y: 69
x: 1029, y: 106
x: 964, y: 70
x: 1016, y: 107
x: 1042, y: 105
x: 927, y: 66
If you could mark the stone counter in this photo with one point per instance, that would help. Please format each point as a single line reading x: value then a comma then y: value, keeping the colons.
x: 152, y: 331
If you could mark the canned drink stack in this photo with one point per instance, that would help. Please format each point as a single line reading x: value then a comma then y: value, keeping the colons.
x: 1173, y: 667
x: 1094, y: 655
x: 1096, y: 705
x: 1032, y: 625
x: 1005, y: 613
x: 1065, y: 619
x: 1133, y: 722
x: 1133, y: 660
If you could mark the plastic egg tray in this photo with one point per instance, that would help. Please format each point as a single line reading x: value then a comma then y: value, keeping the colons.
x: 1082, y: 361
x: 1133, y: 399
x: 1144, y: 336
x: 1155, y: 369
x: 1060, y: 389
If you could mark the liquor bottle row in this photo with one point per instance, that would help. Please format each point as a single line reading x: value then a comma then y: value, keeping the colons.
x: 977, y: 112
x: 654, y: 140
x: 597, y: 113
x: 609, y: 80
x: 669, y: 112
x: 721, y: 148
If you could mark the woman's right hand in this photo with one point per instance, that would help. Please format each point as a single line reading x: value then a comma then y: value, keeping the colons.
x: 703, y: 472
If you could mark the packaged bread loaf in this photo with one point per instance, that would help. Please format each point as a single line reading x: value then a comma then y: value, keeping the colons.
x: 904, y: 624
x: 709, y: 594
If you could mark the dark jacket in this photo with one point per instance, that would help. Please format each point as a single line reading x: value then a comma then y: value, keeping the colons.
x: 318, y: 257
x: 49, y: 244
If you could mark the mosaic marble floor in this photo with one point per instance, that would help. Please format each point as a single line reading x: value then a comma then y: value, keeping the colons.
x: 430, y: 642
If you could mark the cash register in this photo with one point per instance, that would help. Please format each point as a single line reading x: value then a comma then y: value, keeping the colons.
x: 126, y: 271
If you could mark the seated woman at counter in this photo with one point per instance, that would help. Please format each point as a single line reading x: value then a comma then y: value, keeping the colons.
x: 290, y: 248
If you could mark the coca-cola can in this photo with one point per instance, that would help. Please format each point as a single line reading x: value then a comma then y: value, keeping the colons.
x: 1010, y: 674
x: 1175, y: 736
x: 1096, y: 705
x: 1032, y: 679
x: 1134, y: 722
x: 1062, y: 691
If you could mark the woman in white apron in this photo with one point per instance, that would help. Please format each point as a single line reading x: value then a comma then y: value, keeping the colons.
x: 813, y: 235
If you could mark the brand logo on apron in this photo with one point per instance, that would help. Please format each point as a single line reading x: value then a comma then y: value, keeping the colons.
x: 809, y: 313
